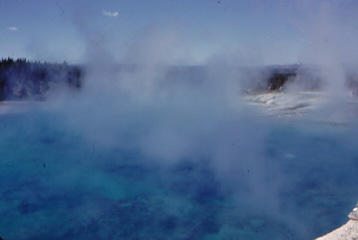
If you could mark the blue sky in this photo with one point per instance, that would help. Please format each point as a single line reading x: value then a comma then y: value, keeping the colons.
x: 175, y: 31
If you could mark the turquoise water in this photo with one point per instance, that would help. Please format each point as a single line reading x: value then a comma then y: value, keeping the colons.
x: 291, y: 181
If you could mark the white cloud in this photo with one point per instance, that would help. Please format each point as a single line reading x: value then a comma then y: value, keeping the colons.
x: 12, y: 28
x: 110, y: 14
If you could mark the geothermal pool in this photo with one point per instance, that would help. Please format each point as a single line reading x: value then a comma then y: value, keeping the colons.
x: 154, y: 173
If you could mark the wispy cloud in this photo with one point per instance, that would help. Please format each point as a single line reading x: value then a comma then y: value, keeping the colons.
x: 110, y: 14
x: 12, y: 28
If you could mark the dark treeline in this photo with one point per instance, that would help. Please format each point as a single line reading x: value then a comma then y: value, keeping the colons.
x: 278, y: 78
x: 21, y: 79
x: 301, y: 78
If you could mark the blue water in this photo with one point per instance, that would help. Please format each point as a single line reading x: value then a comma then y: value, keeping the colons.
x: 298, y: 182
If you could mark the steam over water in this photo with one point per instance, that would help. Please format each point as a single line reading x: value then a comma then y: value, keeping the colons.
x: 161, y: 148
x: 157, y: 153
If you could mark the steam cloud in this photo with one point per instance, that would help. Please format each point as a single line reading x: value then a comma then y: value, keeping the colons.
x: 169, y: 117
x: 172, y: 115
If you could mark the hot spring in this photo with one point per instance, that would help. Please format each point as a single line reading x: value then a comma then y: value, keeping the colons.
x: 135, y: 156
